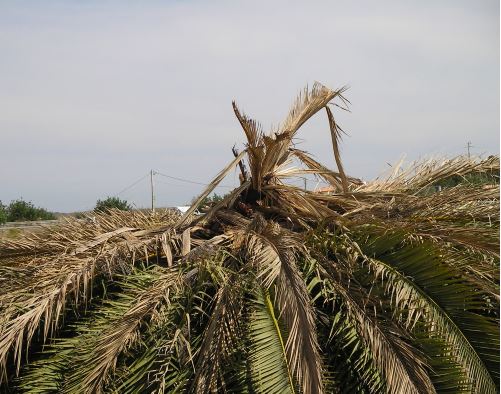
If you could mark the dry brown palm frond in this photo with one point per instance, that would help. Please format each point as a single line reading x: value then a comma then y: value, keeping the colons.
x: 22, y: 311
x: 70, y: 277
x: 476, y: 269
x: 187, y: 215
x: 67, y: 271
x: 421, y: 175
x: 308, y: 103
x: 273, y: 251
x: 307, y: 205
x: 302, y: 347
x: 333, y: 178
x: 464, y: 214
x: 227, y: 202
x: 481, y: 239
x: 347, y: 205
x: 101, y: 240
x: 413, y: 273
x: 336, y: 137
x: 469, y: 250
x: 252, y: 129
x: 72, y: 233
x: 220, y: 338
x: 462, y: 203
x: 266, y: 153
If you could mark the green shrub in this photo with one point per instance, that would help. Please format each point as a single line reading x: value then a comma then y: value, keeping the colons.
x: 3, y: 213
x: 474, y: 178
x: 112, y: 203
x: 209, y: 201
x: 20, y: 210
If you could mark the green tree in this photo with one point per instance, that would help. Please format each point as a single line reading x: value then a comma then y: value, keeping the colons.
x: 112, y: 203
x: 488, y: 177
x: 209, y: 201
x: 20, y: 210
x: 3, y: 213
x: 375, y: 288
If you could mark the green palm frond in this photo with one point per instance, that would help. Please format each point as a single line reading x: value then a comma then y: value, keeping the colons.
x: 401, y: 365
x: 349, y: 365
x: 444, y: 303
x: 352, y: 367
x: 99, y: 357
x: 220, y: 338
x: 271, y: 372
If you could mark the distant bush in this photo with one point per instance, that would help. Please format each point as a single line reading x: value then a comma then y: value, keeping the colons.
x: 215, y: 198
x: 20, y: 210
x: 209, y: 200
x: 80, y: 215
x: 3, y: 213
x: 474, y: 178
x: 112, y: 203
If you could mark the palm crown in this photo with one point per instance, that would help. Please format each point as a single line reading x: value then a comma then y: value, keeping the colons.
x: 377, y: 287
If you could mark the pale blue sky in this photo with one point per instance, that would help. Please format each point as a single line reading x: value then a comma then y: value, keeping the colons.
x: 95, y: 94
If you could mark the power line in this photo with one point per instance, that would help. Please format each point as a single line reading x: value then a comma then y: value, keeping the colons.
x: 169, y: 183
x: 173, y: 184
x: 153, y: 172
x: 132, y: 185
x: 189, y: 181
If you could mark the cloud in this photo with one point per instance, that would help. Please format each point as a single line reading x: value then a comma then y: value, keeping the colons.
x: 95, y: 94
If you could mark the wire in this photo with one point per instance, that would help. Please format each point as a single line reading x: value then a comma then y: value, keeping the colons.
x: 158, y: 182
x: 316, y: 182
x: 132, y: 185
x: 188, y: 181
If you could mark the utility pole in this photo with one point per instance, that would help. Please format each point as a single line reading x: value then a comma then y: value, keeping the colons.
x: 468, y: 146
x: 152, y: 191
x: 304, y: 179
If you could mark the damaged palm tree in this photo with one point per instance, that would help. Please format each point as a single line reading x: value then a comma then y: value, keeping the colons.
x: 380, y: 287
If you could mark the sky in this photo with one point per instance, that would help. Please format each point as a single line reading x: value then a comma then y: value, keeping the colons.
x: 95, y: 94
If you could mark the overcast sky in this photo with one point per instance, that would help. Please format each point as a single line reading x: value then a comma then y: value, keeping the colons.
x: 94, y: 94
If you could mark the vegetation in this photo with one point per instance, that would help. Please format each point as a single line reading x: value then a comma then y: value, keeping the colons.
x: 3, y: 213
x: 20, y: 210
x: 375, y: 288
x: 11, y: 233
x: 209, y: 201
x: 489, y: 177
x: 214, y: 198
x: 110, y: 203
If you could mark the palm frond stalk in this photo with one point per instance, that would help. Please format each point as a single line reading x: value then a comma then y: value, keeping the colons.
x: 390, y: 286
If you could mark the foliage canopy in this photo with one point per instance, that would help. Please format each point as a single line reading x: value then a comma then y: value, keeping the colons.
x: 373, y: 288
x: 110, y: 203
x: 3, y: 213
x: 20, y: 210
